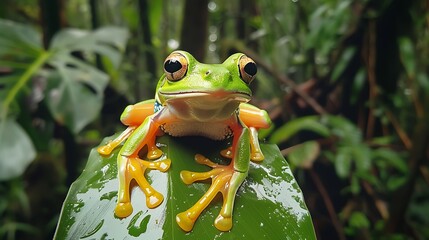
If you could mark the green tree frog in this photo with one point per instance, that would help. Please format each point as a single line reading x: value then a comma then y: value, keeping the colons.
x: 193, y: 98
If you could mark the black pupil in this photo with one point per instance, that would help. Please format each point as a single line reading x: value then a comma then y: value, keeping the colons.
x: 251, y: 69
x: 172, y: 66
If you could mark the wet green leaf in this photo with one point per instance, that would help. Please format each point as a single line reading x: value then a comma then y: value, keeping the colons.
x: 269, y: 204
x: 16, y: 150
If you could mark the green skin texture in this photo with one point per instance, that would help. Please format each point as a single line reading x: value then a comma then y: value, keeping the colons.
x: 206, y: 80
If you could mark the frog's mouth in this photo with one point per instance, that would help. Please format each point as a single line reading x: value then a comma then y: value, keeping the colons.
x: 215, y: 96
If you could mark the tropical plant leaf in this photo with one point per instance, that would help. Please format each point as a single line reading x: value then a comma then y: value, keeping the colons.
x: 106, y: 41
x: 21, y: 55
x: 386, y: 157
x: 342, y: 63
x: 304, y: 154
x: 310, y: 123
x: 408, y: 58
x: 343, y: 161
x: 76, y: 88
x: 18, y: 40
x: 269, y: 204
x: 344, y: 129
x: 16, y: 150
x: 75, y: 96
x: 75, y: 91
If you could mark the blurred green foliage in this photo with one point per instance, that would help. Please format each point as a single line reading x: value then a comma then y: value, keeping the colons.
x: 344, y: 81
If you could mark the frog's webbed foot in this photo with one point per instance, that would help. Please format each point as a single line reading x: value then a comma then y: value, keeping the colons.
x: 226, y: 180
x: 226, y: 153
x: 134, y: 168
x: 105, y: 149
x: 153, y: 152
x: 256, y: 154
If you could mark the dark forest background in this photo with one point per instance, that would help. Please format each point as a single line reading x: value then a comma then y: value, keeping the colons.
x: 345, y: 82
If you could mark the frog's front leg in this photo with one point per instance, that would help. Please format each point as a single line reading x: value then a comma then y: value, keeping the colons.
x: 130, y: 167
x: 108, y: 148
x: 256, y: 154
x: 254, y: 118
x: 133, y: 116
x: 225, y: 179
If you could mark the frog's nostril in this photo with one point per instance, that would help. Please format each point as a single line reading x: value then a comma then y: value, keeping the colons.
x: 208, y: 72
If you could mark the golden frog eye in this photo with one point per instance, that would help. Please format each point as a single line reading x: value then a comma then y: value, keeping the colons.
x: 247, y: 69
x: 175, y: 66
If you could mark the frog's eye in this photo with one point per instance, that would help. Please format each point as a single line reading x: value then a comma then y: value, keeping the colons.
x: 247, y: 69
x: 175, y: 66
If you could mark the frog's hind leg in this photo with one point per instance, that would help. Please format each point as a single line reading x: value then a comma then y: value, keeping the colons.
x: 186, y: 220
x: 225, y: 180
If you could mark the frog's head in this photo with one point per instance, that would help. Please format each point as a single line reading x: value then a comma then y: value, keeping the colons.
x: 186, y: 78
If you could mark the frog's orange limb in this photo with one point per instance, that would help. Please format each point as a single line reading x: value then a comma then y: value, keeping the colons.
x: 135, y: 169
x: 226, y: 153
x: 134, y: 115
x: 256, y: 154
x: 108, y: 148
x: 153, y: 152
x: 130, y: 166
x: 225, y: 179
x: 254, y: 118
x: 186, y: 220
